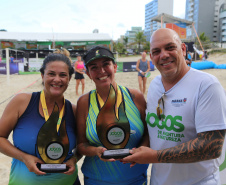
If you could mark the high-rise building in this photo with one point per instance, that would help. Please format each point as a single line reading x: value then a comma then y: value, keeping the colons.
x: 131, y: 34
x: 222, y: 21
x: 209, y: 16
x: 152, y: 9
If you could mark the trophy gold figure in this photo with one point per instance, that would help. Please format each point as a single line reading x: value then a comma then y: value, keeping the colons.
x: 53, y: 146
x: 113, y: 132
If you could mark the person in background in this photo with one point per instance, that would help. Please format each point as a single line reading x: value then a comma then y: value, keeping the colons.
x: 80, y: 70
x: 11, y: 59
x: 205, y: 56
x: 24, y: 115
x: 142, y: 66
x: 188, y: 58
x: 186, y: 117
x: 101, y: 68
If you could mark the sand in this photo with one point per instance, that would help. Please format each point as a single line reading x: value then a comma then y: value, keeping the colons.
x: 30, y: 83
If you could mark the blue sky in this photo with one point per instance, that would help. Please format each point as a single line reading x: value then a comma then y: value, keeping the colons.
x: 114, y: 17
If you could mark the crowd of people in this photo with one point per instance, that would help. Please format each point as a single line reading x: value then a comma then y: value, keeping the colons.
x: 180, y: 130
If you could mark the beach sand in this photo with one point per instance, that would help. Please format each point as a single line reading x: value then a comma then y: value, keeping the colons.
x: 30, y: 83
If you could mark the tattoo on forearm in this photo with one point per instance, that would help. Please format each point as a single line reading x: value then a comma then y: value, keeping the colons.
x: 207, y: 145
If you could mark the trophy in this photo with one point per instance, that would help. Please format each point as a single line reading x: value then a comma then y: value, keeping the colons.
x: 53, y: 147
x: 113, y: 133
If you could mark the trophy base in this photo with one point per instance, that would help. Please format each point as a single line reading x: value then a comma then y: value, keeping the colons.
x: 52, y: 168
x: 115, y: 154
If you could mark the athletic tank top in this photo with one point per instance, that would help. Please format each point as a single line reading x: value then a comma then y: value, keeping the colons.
x: 80, y: 66
x: 143, y: 66
x: 24, y: 138
x: 115, y: 172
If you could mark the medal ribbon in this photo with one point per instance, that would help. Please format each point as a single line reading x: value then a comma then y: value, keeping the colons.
x: 118, y: 102
x: 45, y: 110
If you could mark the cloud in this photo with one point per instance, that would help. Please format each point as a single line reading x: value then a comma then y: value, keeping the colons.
x: 120, y: 25
x: 74, y: 16
x: 179, y: 8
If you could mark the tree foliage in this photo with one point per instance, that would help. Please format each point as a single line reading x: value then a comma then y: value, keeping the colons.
x: 203, y: 37
x: 140, y: 38
x: 119, y: 48
x: 147, y: 46
x: 205, y: 41
x: 125, y: 40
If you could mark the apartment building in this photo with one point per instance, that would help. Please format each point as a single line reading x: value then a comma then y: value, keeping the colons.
x: 221, y: 14
x: 152, y: 9
x: 209, y: 16
x: 131, y: 34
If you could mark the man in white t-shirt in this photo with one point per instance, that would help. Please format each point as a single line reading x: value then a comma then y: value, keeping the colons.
x: 186, y: 118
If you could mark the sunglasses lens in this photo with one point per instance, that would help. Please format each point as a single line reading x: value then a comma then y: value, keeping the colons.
x: 159, y: 110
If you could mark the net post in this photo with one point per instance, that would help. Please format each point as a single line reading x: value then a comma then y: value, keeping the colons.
x: 7, y: 62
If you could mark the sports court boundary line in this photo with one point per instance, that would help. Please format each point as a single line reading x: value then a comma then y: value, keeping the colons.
x: 19, y: 91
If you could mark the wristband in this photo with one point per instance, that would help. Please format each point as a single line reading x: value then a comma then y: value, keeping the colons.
x: 141, y: 71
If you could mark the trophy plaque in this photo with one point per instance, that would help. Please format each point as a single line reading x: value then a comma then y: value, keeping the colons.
x: 113, y: 132
x: 52, y: 146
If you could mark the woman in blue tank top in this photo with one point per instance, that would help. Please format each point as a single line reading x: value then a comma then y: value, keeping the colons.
x: 27, y: 114
x: 143, y: 67
x: 101, y: 68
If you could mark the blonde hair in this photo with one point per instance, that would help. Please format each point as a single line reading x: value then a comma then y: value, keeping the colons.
x: 65, y: 52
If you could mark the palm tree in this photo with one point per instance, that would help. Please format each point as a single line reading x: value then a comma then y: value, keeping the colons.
x: 140, y: 38
x: 119, y: 48
x: 147, y: 46
x: 203, y: 37
x: 125, y: 39
x: 205, y: 41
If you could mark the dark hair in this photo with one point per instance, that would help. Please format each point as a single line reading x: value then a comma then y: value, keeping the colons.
x: 59, y: 55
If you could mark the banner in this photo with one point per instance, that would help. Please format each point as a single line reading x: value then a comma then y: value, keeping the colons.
x: 131, y: 66
x: 13, y: 68
x: 31, y: 46
x: 6, y: 44
x: 85, y: 43
x: 43, y: 47
x: 180, y: 28
x: 119, y: 66
x: 35, y: 66
x: 82, y: 47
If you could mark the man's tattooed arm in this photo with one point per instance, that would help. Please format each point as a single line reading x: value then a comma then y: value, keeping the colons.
x: 207, y: 145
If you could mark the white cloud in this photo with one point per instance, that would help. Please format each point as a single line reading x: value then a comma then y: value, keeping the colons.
x: 114, y: 17
x: 179, y: 8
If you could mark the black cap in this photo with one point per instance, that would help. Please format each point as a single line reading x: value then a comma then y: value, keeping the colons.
x: 98, y: 52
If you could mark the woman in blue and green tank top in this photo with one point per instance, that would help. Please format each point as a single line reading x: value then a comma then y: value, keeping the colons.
x: 101, y: 68
x: 27, y: 114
